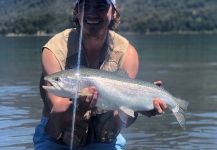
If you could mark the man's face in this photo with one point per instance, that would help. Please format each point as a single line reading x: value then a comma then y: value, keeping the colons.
x: 97, y: 16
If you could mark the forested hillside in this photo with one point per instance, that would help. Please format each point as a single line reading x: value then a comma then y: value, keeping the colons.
x: 144, y: 16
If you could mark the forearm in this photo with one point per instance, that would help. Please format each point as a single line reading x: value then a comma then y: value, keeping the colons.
x: 58, y: 104
x: 149, y: 113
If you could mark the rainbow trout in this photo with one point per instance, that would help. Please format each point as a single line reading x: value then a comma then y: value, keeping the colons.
x: 114, y: 90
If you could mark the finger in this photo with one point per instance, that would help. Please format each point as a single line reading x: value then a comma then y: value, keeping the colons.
x: 157, y: 106
x: 86, y: 92
x: 163, y: 106
x: 92, y: 89
x: 94, y: 99
x: 158, y: 83
x: 95, y: 95
x: 88, y: 99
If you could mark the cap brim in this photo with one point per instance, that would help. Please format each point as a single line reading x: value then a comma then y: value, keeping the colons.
x: 113, y: 2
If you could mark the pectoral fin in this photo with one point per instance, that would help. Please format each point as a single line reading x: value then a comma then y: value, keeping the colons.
x: 127, y: 111
x: 125, y: 114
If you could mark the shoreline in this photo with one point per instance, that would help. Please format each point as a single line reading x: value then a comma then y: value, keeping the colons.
x: 170, y: 33
x: 122, y: 32
x: 26, y: 35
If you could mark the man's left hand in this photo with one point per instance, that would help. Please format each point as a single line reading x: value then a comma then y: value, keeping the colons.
x: 159, y: 105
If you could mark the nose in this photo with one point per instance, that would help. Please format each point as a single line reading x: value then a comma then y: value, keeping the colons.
x: 90, y: 10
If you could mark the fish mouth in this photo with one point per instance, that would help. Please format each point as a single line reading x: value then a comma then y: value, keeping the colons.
x: 48, y: 87
x: 50, y: 84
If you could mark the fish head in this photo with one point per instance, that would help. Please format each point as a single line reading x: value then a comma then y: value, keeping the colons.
x: 63, y: 84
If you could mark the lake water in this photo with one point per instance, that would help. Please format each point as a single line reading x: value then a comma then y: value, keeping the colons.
x: 187, y: 65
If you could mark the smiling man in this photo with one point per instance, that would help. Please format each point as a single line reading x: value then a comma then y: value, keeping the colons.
x: 102, y: 48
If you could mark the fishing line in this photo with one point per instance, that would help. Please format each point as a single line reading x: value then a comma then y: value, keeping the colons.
x: 80, y: 35
x: 81, y: 11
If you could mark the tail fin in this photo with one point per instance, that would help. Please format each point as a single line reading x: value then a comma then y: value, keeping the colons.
x: 182, y: 103
x: 179, y: 111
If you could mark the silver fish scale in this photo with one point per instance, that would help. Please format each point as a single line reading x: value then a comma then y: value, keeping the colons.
x: 135, y: 96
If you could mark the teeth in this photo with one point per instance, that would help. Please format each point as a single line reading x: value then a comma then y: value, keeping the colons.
x: 92, y: 21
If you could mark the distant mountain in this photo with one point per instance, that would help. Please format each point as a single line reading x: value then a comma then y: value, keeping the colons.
x: 30, y: 16
x: 49, y: 16
x: 11, y: 9
x: 169, y: 15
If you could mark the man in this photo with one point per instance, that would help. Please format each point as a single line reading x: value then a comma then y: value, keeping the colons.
x: 104, y: 49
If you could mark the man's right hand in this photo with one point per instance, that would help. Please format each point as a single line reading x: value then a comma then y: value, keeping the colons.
x: 90, y: 100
